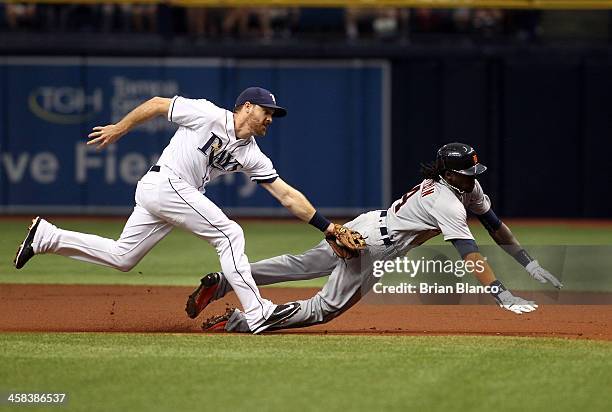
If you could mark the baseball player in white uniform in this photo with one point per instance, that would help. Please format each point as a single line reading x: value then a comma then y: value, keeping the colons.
x: 439, y: 204
x: 210, y: 142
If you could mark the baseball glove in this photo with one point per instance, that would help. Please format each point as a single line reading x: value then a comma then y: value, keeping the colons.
x: 346, y: 243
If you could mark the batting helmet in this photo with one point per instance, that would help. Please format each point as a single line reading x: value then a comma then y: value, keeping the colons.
x: 460, y: 158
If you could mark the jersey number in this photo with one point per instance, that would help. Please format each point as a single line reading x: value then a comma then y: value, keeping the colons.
x: 406, y: 197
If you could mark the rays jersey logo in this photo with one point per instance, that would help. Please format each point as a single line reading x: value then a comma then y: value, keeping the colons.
x: 217, y: 158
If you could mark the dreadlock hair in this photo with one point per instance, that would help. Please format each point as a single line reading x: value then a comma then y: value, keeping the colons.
x: 431, y: 170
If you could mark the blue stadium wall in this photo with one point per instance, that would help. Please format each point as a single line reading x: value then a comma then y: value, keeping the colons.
x: 333, y: 145
x: 357, y: 130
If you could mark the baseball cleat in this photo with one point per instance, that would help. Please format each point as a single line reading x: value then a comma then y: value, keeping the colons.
x: 25, y: 250
x: 203, y: 295
x: 280, y: 314
x: 217, y: 323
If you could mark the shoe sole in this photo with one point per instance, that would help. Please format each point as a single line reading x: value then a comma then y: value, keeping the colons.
x: 217, y: 327
x: 192, y: 307
x: 28, y: 239
x: 284, y: 318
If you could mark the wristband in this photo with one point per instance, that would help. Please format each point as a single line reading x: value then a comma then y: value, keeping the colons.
x: 531, y: 266
x: 319, y: 221
x: 523, y: 257
x: 499, y: 286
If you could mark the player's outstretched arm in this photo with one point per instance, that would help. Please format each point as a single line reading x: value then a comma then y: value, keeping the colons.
x: 345, y: 243
x: 504, y: 237
x: 468, y: 250
x: 291, y: 199
x: 105, y: 135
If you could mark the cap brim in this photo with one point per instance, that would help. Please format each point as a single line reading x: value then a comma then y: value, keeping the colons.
x: 474, y: 170
x: 278, y: 111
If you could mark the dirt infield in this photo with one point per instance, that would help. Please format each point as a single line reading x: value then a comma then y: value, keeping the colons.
x: 60, y: 308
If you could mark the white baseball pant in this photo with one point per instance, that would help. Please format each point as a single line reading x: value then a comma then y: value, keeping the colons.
x: 164, y: 200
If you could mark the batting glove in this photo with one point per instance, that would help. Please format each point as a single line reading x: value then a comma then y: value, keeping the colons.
x: 542, y: 275
x: 514, y: 304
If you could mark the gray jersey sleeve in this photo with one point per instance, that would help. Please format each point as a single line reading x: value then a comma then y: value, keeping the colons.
x: 478, y: 202
x: 193, y: 113
x: 451, y: 218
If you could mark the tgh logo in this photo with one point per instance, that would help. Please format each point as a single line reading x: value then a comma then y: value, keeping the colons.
x: 65, y: 105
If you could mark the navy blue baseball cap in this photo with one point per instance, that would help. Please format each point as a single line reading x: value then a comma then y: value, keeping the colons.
x: 261, y: 97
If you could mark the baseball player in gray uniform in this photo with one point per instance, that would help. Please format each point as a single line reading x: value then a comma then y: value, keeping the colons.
x: 438, y: 205
x: 210, y: 142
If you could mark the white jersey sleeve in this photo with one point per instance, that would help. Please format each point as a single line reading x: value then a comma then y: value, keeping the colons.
x: 258, y: 166
x: 451, y: 218
x: 477, y: 201
x: 193, y: 113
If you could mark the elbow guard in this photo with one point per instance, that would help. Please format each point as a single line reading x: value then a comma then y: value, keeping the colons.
x: 465, y: 246
x: 490, y: 221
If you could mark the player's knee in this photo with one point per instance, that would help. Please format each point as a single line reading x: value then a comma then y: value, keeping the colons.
x: 328, y: 312
x: 125, y: 266
x: 233, y: 235
x: 125, y: 263
x: 124, y: 259
x: 328, y: 315
x: 235, y: 232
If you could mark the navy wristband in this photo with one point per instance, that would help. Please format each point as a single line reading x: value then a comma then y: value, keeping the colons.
x: 319, y: 221
x: 500, y: 288
x: 523, y: 257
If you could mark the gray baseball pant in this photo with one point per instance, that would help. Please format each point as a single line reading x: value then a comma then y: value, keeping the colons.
x: 349, y: 280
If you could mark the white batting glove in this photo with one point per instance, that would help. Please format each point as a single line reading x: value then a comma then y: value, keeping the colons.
x: 542, y: 275
x: 514, y: 304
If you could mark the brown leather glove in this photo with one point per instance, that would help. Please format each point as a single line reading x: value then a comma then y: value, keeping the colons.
x: 346, y: 243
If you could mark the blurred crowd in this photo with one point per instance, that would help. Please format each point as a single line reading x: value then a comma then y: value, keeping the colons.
x: 267, y: 23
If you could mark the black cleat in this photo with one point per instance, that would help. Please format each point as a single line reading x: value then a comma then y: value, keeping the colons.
x: 280, y: 314
x: 203, y: 295
x: 25, y: 250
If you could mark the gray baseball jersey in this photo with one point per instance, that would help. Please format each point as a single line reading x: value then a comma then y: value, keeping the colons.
x: 430, y: 208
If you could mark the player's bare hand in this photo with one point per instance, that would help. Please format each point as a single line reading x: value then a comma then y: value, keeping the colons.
x: 515, y: 304
x: 102, y: 136
x: 542, y: 275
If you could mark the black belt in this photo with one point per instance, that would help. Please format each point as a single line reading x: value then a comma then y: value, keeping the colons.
x: 384, y: 232
x: 155, y: 168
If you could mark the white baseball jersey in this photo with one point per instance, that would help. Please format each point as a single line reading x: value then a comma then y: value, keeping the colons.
x: 431, y: 208
x: 205, y: 145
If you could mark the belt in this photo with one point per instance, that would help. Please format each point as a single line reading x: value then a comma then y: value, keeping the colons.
x: 155, y: 168
x: 384, y: 232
